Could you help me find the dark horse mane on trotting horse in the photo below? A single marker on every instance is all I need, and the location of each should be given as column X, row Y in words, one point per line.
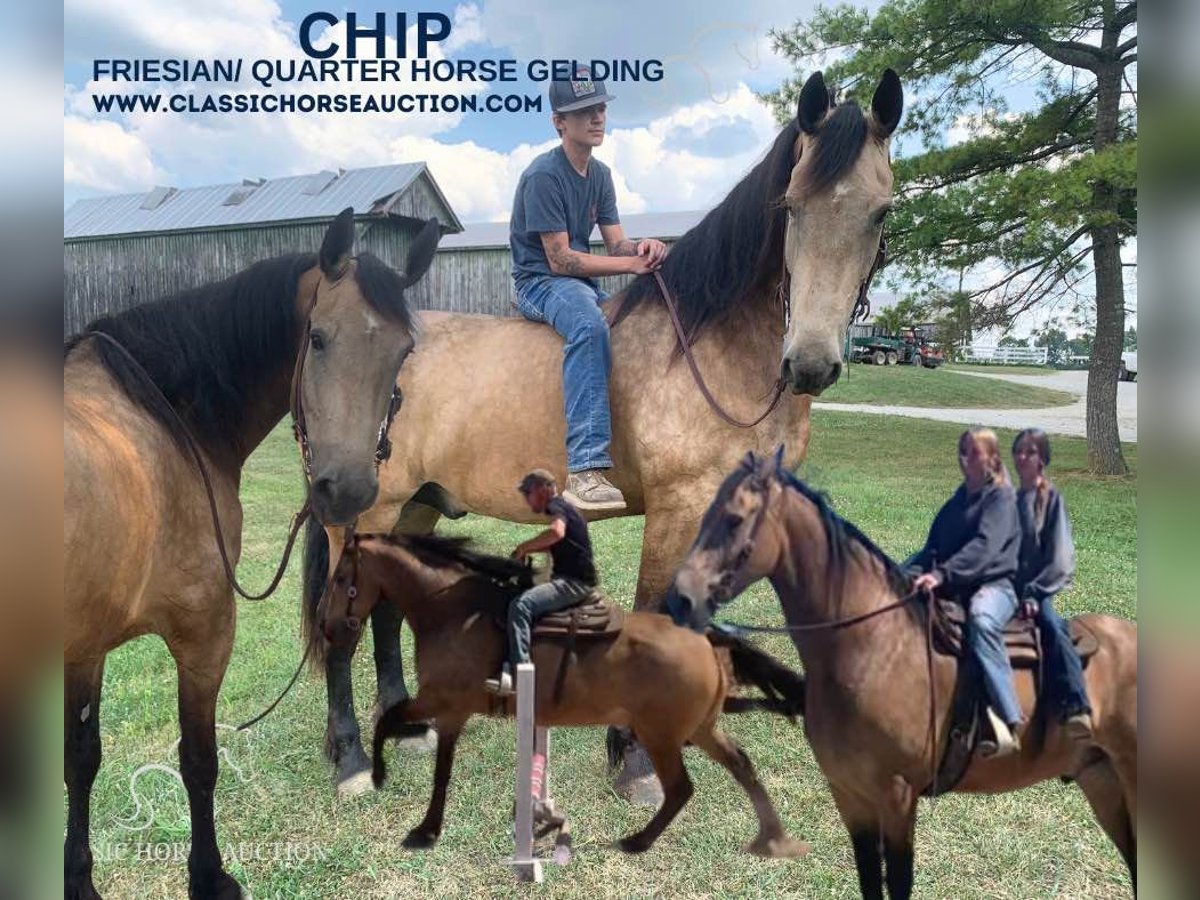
column 736, row 250
column 441, row 551
column 207, row 348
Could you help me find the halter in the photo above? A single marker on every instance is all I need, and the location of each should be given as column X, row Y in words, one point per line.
column 383, row 444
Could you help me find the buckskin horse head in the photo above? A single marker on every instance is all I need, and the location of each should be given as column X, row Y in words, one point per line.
column 359, row 332
column 836, row 201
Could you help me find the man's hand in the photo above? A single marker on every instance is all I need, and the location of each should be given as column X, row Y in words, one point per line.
column 927, row 583
column 521, row 552
column 1028, row 609
column 653, row 250
column 638, row 265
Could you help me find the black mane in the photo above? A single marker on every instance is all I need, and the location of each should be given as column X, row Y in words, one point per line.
column 735, row 253
column 440, row 552
column 210, row 348
column 842, row 535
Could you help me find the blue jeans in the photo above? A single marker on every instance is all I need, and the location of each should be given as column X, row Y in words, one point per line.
column 570, row 307
column 555, row 594
column 990, row 609
column 1064, row 671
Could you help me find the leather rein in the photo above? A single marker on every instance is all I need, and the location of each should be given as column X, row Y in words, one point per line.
column 860, row 310
column 382, row 451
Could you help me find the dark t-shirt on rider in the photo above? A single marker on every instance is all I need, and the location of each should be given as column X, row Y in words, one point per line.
column 551, row 197
column 572, row 556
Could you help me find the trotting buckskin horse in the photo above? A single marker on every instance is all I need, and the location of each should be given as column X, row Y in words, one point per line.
column 487, row 397
column 206, row 375
column 869, row 715
column 666, row 683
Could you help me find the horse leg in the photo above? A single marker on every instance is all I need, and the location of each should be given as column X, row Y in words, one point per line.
column 201, row 668
column 426, row 833
column 668, row 763
column 898, row 852
column 771, row 839
column 81, row 762
column 865, row 837
column 343, row 740
column 664, row 544
column 1102, row 786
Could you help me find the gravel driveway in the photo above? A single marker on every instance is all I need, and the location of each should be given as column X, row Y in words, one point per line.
column 1070, row 419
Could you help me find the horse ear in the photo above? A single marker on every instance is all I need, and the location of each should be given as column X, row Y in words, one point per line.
column 814, row 103
column 420, row 254
column 888, row 103
column 339, row 240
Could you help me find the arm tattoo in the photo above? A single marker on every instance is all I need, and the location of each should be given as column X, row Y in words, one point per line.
column 566, row 262
column 624, row 248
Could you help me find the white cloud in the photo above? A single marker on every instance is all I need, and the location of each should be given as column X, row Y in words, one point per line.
column 103, row 156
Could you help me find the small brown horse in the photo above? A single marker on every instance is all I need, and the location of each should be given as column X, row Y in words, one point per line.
column 209, row 371
column 867, row 709
column 666, row 683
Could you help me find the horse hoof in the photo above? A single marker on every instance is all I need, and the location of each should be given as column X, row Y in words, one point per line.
column 635, row 843
column 779, row 848
column 355, row 786
column 643, row 791
column 221, row 887
column 562, row 856
column 419, row 839
column 422, row 745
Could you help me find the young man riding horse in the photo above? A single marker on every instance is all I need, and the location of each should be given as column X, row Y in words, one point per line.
column 574, row 572
column 561, row 196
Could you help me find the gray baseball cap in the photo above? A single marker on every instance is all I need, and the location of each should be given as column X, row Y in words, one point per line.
column 569, row 96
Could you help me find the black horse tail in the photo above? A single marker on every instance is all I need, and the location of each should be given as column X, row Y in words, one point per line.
column 316, row 575
column 783, row 688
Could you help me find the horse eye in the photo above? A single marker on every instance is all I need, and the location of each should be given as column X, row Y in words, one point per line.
column 317, row 341
column 882, row 214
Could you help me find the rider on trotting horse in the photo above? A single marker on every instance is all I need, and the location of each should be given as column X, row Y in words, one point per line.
column 573, row 576
column 560, row 197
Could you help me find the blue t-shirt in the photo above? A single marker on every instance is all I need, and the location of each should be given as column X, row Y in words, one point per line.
column 551, row 196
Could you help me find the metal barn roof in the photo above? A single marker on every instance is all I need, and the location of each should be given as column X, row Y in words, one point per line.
column 669, row 225
column 321, row 195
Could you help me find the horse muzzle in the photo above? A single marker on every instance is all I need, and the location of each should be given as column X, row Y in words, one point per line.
column 809, row 376
column 339, row 496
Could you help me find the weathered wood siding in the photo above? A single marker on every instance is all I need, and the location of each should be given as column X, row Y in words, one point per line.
column 479, row 280
column 108, row 275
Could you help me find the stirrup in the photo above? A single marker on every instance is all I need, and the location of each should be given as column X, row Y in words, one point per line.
column 1005, row 742
column 502, row 685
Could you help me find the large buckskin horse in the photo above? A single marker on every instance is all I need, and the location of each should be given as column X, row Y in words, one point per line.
column 486, row 392
column 208, row 372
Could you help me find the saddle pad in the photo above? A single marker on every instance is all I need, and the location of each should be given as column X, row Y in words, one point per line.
column 1021, row 638
column 595, row 617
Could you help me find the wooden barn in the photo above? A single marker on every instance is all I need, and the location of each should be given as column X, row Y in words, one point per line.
column 123, row 250
column 472, row 271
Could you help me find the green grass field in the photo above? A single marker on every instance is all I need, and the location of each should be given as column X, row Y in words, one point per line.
column 274, row 789
column 942, row 387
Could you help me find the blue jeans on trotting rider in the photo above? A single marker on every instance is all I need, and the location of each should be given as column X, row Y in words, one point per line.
column 523, row 611
column 570, row 307
column 990, row 609
column 1063, row 669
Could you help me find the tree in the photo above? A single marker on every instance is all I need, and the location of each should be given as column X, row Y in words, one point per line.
column 901, row 314
column 1050, row 194
column 1009, row 341
column 1056, row 342
column 1131, row 338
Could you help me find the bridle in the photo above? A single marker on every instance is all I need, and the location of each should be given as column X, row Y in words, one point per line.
column 383, row 443
column 860, row 310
